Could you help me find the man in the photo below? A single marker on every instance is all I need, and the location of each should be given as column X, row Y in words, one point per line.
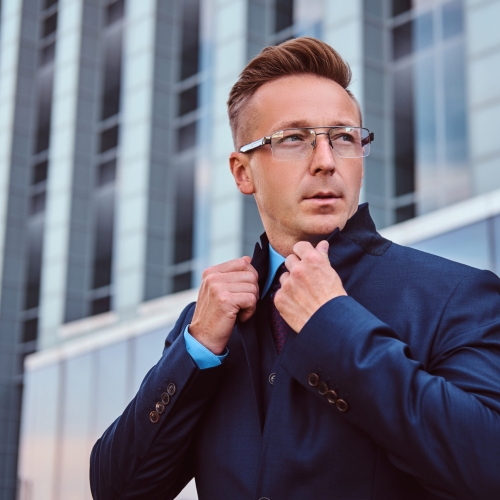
column 358, row 370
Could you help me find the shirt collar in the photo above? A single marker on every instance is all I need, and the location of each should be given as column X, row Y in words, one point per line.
column 275, row 261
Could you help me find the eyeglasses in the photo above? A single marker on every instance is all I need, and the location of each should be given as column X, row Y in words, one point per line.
column 298, row 143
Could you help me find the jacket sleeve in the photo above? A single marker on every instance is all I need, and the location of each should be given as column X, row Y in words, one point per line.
column 440, row 424
column 139, row 457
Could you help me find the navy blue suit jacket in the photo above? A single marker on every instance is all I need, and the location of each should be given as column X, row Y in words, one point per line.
column 414, row 351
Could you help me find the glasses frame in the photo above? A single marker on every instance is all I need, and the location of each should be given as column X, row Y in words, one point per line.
column 247, row 148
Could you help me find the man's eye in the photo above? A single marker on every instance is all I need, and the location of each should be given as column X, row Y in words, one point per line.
column 343, row 138
column 292, row 138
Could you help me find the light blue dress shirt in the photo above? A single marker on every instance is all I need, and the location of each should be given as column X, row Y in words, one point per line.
column 205, row 358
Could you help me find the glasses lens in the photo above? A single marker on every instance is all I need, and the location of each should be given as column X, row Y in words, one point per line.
column 350, row 142
column 292, row 144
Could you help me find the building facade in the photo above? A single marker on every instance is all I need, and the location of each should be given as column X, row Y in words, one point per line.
column 115, row 191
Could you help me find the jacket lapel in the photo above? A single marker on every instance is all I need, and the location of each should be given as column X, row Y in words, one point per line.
column 248, row 330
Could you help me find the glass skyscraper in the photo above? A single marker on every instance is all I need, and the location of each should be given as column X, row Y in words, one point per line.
column 115, row 190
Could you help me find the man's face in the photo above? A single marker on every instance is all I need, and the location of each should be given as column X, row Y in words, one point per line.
column 300, row 200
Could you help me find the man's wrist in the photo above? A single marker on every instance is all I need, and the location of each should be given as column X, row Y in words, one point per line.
column 200, row 354
column 214, row 347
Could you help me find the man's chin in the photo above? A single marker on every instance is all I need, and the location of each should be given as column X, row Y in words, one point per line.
column 319, row 227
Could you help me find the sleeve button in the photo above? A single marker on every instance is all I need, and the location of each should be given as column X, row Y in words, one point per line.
column 342, row 405
column 313, row 379
column 322, row 388
column 154, row 417
column 331, row 395
column 160, row 408
column 171, row 389
column 165, row 398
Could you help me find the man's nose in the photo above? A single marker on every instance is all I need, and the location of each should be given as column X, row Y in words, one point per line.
column 323, row 157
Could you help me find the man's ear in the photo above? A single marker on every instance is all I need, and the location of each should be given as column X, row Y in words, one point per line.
column 240, row 168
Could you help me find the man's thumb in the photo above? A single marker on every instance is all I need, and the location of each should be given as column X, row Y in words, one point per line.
column 323, row 247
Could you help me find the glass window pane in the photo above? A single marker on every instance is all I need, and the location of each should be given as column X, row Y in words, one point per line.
column 405, row 213
column 455, row 102
column 34, row 262
column 50, row 25
column 183, row 246
column 104, row 212
column 30, row 330
column 147, row 349
column 453, row 19
column 283, row 14
column 115, row 11
column 423, row 31
column 99, row 306
column 112, row 380
column 112, row 71
column 47, row 54
column 37, row 204
column 109, row 139
column 77, row 409
column 44, row 108
column 374, row 7
column 190, row 38
column 106, row 173
column 400, row 6
column 39, row 432
column 182, row 282
column 469, row 245
column 40, row 171
column 404, row 137
column 402, row 37
column 188, row 100
column 186, row 137
column 425, row 110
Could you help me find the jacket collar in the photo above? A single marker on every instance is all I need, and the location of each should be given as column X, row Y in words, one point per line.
column 359, row 229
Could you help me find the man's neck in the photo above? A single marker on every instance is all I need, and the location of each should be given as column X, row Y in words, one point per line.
column 284, row 245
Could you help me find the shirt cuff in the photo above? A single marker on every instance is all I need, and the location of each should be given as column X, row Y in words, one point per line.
column 202, row 356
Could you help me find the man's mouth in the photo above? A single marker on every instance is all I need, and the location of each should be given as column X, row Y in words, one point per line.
column 323, row 195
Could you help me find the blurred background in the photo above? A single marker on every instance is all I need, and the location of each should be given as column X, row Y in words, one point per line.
column 115, row 191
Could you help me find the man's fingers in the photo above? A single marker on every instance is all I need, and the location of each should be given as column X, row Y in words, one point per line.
column 284, row 277
column 232, row 277
column 247, row 303
column 237, row 288
column 291, row 261
column 302, row 248
column 241, row 264
column 322, row 247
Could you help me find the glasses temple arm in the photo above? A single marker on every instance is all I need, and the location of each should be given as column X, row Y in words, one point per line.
column 255, row 144
column 367, row 140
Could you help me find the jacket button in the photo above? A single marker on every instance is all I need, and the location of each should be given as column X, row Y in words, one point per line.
column 313, row 379
column 331, row 396
column 263, row 498
column 165, row 398
column 342, row 405
column 154, row 417
column 160, row 408
column 322, row 388
column 171, row 389
column 272, row 378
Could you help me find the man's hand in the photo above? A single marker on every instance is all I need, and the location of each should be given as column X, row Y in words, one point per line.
column 310, row 283
column 227, row 292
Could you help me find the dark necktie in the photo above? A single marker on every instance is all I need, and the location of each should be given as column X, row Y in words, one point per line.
column 279, row 327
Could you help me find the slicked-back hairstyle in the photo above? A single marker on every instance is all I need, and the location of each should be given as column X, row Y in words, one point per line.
column 299, row 56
